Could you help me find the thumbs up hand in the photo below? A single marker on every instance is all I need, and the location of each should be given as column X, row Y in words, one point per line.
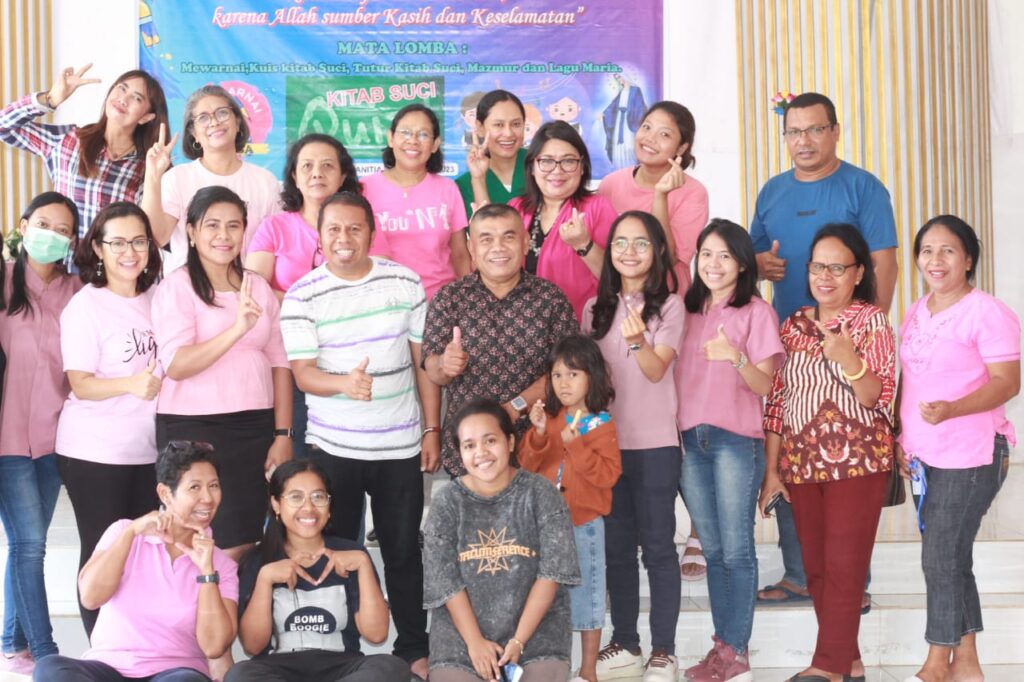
column 455, row 359
column 144, row 385
column 769, row 265
column 719, row 348
column 358, row 384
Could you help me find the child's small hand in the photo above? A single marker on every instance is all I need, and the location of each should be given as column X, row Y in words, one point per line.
column 569, row 434
column 539, row 418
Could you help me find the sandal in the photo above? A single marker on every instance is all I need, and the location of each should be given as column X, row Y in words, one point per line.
column 792, row 596
column 693, row 560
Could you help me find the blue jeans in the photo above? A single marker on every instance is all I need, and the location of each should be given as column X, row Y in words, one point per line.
column 643, row 513
column 28, row 495
column 586, row 600
column 721, row 478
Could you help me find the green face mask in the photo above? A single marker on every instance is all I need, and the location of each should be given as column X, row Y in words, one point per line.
column 45, row 246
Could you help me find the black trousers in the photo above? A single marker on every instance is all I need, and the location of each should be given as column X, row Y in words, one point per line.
column 395, row 488
column 322, row 666
column 101, row 494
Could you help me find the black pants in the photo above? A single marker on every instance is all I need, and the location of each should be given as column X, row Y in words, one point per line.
column 101, row 494
column 322, row 666
column 395, row 488
column 64, row 669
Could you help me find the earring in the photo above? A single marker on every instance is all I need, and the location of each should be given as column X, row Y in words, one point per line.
column 99, row 267
column 145, row 270
column 196, row 145
column 162, row 508
column 278, row 515
column 191, row 243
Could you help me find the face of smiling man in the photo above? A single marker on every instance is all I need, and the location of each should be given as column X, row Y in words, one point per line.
column 497, row 246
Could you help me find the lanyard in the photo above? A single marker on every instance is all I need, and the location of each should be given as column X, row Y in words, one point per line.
column 918, row 487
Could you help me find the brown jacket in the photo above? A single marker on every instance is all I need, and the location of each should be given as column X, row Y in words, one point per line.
column 592, row 465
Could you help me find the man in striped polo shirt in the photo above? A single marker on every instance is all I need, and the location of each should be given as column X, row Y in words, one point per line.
column 352, row 329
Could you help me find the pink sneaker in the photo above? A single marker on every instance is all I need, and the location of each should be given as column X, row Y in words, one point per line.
column 728, row 666
column 702, row 668
column 21, row 663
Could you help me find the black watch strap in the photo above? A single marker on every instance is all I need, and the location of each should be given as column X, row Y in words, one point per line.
column 586, row 249
column 285, row 432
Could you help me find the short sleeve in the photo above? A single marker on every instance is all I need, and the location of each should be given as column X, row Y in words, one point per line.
column 437, row 329
column 298, row 328
column 600, row 216
column 456, row 207
column 79, row 341
column 763, row 341
column 758, row 231
column 174, row 317
column 875, row 218
column 999, row 334
column 265, row 238
column 227, row 570
column 441, row 577
column 558, row 561
column 465, row 185
column 274, row 349
column 418, row 314
column 111, row 534
column 670, row 328
column 878, row 348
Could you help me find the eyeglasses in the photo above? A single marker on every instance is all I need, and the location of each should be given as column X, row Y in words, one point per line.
column 297, row 498
column 814, row 132
column 204, row 119
column 569, row 164
column 640, row 245
column 421, row 135
column 118, row 246
column 834, row 269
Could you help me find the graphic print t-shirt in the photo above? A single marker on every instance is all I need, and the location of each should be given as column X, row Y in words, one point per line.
column 495, row 548
column 310, row 616
column 108, row 336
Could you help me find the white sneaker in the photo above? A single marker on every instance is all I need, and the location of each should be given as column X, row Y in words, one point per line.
column 661, row 667
column 614, row 662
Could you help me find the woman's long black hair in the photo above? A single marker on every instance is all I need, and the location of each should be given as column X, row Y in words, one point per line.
column 271, row 548
column 197, row 208
column 19, row 292
column 737, row 241
column 661, row 279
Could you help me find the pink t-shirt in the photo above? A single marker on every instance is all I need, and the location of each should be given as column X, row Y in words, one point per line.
column 943, row 358
column 293, row 242
column 644, row 412
column 415, row 225
column 34, row 383
column 241, row 379
column 558, row 262
column 687, row 212
column 257, row 187
column 713, row 392
column 108, row 336
column 149, row 625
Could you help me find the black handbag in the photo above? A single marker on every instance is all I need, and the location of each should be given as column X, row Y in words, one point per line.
column 896, row 494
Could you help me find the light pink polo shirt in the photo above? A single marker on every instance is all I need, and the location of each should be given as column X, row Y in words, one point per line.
column 149, row 625
column 293, row 242
column 241, row 379
column 687, row 212
column 644, row 412
column 943, row 358
column 713, row 392
column 34, row 383
column 558, row 262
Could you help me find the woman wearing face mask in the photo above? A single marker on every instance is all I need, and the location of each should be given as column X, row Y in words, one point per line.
column 37, row 288
column 97, row 164
column 106, row 436
column 168, row 598
column 216, row 133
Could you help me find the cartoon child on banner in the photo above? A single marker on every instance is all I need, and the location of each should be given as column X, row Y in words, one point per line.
column 623, row 116
column 566, row 109
column 534, row 119
column 467, row 109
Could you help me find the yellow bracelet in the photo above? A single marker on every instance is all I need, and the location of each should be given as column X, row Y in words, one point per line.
column 860, row 374
column 522, row 649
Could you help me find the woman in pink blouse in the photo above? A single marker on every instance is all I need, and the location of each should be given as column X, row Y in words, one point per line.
column 228, row 383
column 960, row 352
column 36, row 289
column 567, row 224
column 829, row 443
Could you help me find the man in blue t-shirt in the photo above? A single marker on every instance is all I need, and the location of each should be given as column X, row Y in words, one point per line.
column 791, row 207
column 818, row 190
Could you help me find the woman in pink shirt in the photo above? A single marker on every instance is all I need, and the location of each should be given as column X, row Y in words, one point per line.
column 557, row 200
column 421, row 219
column 168, row 598
column 960, row 353
column 659, row 184
column 729, row 352
column 106, row 437
column 36, row 287
column 228, row 381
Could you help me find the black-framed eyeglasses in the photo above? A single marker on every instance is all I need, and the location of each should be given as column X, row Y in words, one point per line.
column 204, row 119
column 834, row 269
column 569, row 164
column 297, row 498
column 814, row 132
column 119, row 246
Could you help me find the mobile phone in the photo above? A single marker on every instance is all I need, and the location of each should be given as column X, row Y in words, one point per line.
column 772, row 504
column 511, row 672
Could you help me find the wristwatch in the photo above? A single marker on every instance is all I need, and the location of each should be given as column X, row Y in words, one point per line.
column 742, row 362
column 518, row 404
column 285, row 432
column 586, row 249
column 211, row 578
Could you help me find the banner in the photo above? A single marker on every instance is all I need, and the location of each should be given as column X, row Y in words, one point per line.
column 344, row 67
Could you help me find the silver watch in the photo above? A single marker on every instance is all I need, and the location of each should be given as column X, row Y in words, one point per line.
column 742, row 362
column 518, row 404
